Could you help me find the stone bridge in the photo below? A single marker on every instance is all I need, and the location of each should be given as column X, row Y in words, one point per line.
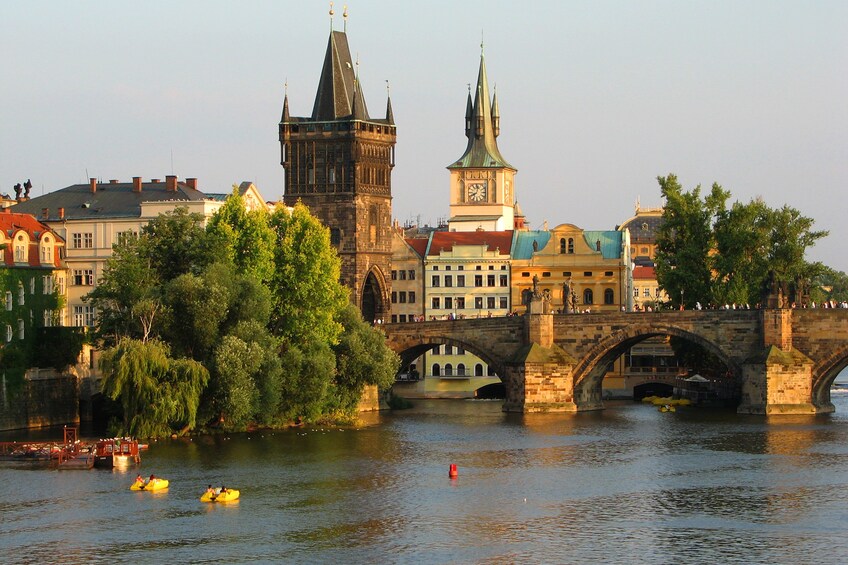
column 784, row 359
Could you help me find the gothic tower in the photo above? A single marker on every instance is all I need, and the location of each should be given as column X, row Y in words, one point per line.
column 482, row 194
column 339, row 163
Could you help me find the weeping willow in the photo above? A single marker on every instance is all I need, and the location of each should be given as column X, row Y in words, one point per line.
column 158, row 394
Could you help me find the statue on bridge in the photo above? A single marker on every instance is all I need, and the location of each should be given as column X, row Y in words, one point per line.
column 568, row 298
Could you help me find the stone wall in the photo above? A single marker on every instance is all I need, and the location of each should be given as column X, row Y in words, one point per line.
column 44, row 399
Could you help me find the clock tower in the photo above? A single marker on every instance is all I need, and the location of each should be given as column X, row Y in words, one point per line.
column 482, row 190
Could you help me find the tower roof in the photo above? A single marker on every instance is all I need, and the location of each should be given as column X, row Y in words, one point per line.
column 482, row 149
column 339, row 94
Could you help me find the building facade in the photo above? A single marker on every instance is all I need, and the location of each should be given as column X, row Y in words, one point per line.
column 339, row 162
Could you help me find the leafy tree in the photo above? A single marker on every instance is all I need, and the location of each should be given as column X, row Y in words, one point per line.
column 362, row 358
column 306, row 377
column 236, row 362
column 685, row 241
column 158, row 394
column 176, row 243
column 306, row 292
column 249, row 237
column 829, row 285
column 742, row 252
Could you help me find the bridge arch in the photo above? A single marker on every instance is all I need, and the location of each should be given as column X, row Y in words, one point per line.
column 590, row 369
column 410, row 352
column 825, row 372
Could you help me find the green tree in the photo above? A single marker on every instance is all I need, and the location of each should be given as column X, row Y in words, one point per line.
column 742, row 252
column 158, row 394
column 250, row 239
column 685, row 241
column 306, row 293
column 362, row 358
column 306, row 378
column 176, row 243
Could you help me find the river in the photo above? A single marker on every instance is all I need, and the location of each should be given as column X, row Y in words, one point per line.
column 626, row 485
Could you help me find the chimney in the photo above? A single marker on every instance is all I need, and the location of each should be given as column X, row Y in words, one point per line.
column 156, row 180
column 45, row 213
column 61, row 213
column 192, row 183
column 136, row 184
column 113, row 181
column 171, row 183
column 93, row 184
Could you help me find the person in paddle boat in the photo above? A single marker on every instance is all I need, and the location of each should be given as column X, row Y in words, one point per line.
column 139, row 479
column 151, row 480
column 211, row 491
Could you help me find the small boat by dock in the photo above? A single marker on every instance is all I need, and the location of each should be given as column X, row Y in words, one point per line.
column 116, row 452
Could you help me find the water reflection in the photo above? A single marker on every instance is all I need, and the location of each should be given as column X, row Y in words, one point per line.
column 628, row 484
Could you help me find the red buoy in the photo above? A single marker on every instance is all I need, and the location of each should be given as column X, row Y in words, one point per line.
column 452, row 472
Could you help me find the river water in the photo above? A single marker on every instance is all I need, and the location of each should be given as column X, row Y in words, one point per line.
column 626, row 485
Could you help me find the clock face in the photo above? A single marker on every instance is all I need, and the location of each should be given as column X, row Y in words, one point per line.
column 477, row 192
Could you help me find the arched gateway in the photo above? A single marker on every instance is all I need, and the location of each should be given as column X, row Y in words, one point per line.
column 784, row 360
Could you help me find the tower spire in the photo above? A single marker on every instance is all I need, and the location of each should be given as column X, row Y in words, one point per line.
column 390, row 116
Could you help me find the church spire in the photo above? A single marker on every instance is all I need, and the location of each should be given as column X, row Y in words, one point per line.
column 335, row 97
column 496, row 114
column 286, row 104
column 390, row 116
column 482, row 126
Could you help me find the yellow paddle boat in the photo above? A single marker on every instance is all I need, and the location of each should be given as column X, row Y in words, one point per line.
column 218, row 495
column 152, row 484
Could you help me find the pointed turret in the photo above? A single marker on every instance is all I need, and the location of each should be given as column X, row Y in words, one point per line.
column 286, row 116
column 469, row 110
column 482, row 149
column 390, row 116
column 335, row 96
column 496, row 115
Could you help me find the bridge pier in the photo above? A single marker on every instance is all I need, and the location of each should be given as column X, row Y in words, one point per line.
column 780, row 382
column 539, row 380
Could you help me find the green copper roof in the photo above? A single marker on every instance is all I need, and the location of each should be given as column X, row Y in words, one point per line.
column 610, row 242
column 522, row 244
column 482, row 130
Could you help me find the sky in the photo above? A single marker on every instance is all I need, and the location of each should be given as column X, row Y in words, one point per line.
column 597, row 98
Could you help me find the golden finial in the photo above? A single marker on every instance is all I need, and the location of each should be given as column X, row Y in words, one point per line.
column 286, row 86
column 332, row 13
column 344, row 15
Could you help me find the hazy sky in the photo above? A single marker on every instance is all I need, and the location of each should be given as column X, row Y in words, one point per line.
column 597, row 98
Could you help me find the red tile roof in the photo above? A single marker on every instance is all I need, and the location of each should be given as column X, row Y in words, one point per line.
column 419, row 245
column 12, row 223
column 495, row 240
column 644, row 273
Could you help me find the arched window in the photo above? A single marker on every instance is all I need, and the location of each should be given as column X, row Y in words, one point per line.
column 571, row 245
column 46, row 250
column 448, row 370
column 437, row 371
column 8, row 333
column 460, row 369
column 478, row 370
column 588, row 296
column 609, row 296
column 20, row 249
column 562, row 245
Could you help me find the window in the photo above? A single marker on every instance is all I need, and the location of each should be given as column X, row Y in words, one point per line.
column 607, row 273
column 402, row 275
column 525, row 274
column 478, row 302
column 83, row 316
column 646, row 293
column 435, row 280
column 48, row 318
column 76, row 241
column 20, row 249
column 394, row 297
column 570, row 245
column 478, row 268
column 587, row 296
column 587, row 273
column 21, row 295
column 460, row 280
column 562, row 246
column 448, row 280
column 478, row 280
column 491, row 267
column 83, row 277
column 412, row 297
column 459, row 350
column 503, row 303
column 460, row 303
column 9, row 300
column 490, row 302
column 504, row 280
column 124, row 237
column 435, row 267
column 8, row 333
column 20, row 329
column 394, row 275
column 609, row 296
column 448, row 303
column 336, row 238
column 88, row 240
column 460, row 369
column 47, row 284
column 448, row 370
column 402, row 296
column 60, row 285
column 437, row 350
column 46, row 250
column 402, row 317
column 546, row 274
column 412, row 274
column 490, row 280
column 437, row 303
column 436, row 370
column 394, row 318
column 32, row 285
column 566, row 273
column 478, row 370
column 448, row 350
column 635, row 292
